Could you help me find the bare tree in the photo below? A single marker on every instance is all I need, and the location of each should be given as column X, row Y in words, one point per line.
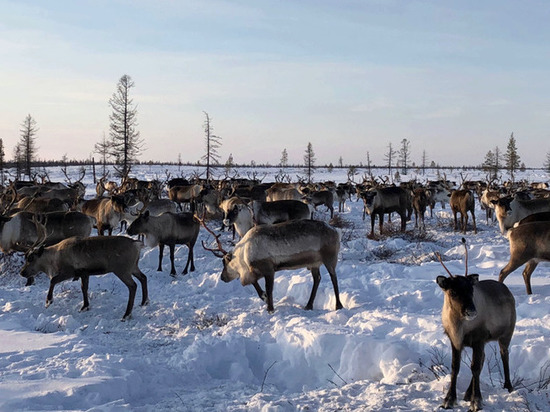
column 2, row 161
column 309, row 160
column 213, row 142
column 369, row 171
column 18, row 161
column 125, row 143
column 27, row 144
column 404, row 155
column 547, row 162
column 424, row 162
column 390, row 157
column 102, row 148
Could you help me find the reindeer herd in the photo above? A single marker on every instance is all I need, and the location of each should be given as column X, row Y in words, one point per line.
column 52, row 225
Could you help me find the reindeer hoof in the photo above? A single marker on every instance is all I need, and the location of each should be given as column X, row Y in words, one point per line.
column 84, row 309
column 48, row 302
column 30, row 281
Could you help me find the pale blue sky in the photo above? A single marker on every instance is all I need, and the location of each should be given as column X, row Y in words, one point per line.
column 455, row 78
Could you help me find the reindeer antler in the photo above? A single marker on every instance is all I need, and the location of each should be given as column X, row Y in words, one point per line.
column 41, row 232
column 443, row 264
column 220, row 252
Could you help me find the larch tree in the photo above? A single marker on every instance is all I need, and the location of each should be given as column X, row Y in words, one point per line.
column 284, row 159
column 212, row 142
column 309, row 161
column 125, row 144
column 511, row 157
column 27, row 145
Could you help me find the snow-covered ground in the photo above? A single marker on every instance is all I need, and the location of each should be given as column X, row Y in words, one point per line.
column 202, row 344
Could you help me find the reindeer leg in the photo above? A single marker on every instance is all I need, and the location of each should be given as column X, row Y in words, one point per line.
column 173, row 267
column 189, row 259
column 260, row 291
column 473, row 394
column 143, row 280
column 269, row 280
column 527, row 272
column 126, row 278
column 54, row 281
column 84, row 282
column 504, row 355
column 316, row 273
column 161, row 251
column 334, row 280
column 450, row 399
column 512, row 265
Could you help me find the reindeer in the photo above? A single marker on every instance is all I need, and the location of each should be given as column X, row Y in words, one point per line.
column 280, row 211
column 377, row 202
column 529, row 244
column 184, row 194
column 420, row 203
column 79, row 258
column 474, row 313
column 267, row 249
column 510, row 210
column 240, row 217
column 109, row 212
column 20, row 232
column 168, row 229
column 321, row 197
column 463, row 201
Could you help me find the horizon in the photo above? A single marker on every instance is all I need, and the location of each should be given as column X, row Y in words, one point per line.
column 351, row 77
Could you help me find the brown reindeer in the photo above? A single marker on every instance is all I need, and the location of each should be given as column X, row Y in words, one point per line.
column 462, row 201
column 529, row 245
column 474, row 313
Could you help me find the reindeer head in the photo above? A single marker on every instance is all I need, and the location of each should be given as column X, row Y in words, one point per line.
column 459, row 290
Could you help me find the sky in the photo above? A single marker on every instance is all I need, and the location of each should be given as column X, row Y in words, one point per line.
column 454, row 78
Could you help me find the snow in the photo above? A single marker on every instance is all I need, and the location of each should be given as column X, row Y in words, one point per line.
column 202, row 344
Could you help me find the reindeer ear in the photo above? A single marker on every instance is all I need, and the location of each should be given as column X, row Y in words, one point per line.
column 39, row 251
column 146, row 214
column 473, row 278
column 443, row 283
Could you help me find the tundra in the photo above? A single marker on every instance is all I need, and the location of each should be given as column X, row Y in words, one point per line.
column 267, row 249
column 529, row 244
column 474, row 313
column 168, row 229
column 76, row 257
